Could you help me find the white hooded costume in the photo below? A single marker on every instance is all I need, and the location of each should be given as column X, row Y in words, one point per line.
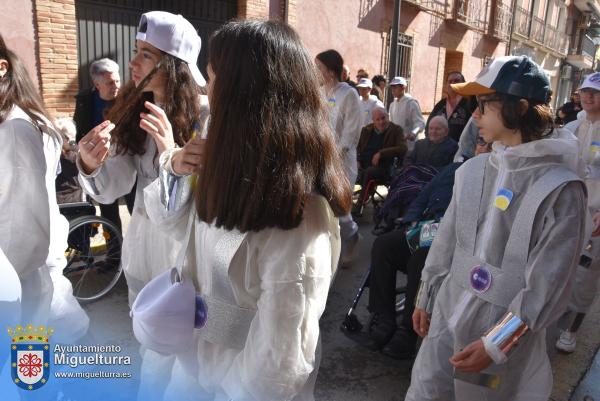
column 33, row 233
column 506, row 248
column 346, row 121
column 587, row 278
column 280, row 278
column 147, row 251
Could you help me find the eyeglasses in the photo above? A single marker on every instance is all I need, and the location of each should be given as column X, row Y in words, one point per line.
column 481, row 102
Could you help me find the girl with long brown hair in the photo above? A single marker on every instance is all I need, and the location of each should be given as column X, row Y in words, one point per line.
column 266, row 238
column 127, row 145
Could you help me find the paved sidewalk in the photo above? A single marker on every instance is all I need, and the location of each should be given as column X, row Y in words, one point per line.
column 569, row 370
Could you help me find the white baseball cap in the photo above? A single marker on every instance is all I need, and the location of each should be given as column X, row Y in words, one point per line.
column 174, row 35
column 591, row 81
column 398, row 81
column 513, row 75
column 365, row 83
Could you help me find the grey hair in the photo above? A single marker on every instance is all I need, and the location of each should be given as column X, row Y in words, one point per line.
column 381, row 109
column 442, row 119
column 99, row 67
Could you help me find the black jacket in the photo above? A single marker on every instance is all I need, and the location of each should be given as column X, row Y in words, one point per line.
column 459, row 118
column 431, row 154
column 83, row 113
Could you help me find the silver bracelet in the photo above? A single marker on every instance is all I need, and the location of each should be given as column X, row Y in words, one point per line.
column 507, row 332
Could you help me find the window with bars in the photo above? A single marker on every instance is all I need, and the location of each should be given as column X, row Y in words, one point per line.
column 404, row 57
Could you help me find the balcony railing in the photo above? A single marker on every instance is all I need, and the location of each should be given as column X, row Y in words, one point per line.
column 472, row 12
column 522, row 21
column 502, row 22
column 556, row 40
column 537, row 30
column 437, row 6
column 588, row 47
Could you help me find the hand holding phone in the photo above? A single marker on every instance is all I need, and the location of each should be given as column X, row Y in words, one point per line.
column 156, row 124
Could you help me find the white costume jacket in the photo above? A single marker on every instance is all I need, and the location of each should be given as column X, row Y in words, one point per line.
column 368, row 106
column 147, row 249
column 33, row 233
column 492, row 258
column 406, row 113
column 282, row 277
column 346, row 120
column 587, row 279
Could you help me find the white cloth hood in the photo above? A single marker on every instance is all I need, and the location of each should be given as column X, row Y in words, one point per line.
column 561, row 147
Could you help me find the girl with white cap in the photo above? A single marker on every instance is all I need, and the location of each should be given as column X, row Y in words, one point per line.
column 500, row 268
column 127, row 145
column 264, row 245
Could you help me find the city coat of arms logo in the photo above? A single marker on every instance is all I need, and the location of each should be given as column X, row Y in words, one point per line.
column 30, row 356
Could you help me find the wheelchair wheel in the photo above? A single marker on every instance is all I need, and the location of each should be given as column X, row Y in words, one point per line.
column 93, row 257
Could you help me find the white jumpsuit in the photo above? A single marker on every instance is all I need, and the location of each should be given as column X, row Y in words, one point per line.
column 406, row 113
column 587, row 279
column 368, row 106
column 33, row 239
column 33, row 233
column 543, row 275
column 346, row 121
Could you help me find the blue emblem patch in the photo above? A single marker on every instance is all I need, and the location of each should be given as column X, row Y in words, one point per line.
column 503, row 198
column 481, row 279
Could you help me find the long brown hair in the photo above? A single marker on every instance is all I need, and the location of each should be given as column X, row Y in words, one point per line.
column 269, row 144
column 17, row 89
column 333, row 61
column 181, row 105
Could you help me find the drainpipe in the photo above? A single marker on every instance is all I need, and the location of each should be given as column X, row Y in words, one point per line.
column 513, row 6
column 393, row 62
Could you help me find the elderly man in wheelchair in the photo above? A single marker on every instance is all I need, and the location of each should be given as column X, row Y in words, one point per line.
column 380, row 143
column 404, row 249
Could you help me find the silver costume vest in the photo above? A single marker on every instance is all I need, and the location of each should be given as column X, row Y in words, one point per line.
column 503, row 282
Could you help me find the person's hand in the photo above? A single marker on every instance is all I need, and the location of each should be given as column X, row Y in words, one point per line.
column 94, row 146
column 411, row 137
column 158, row 126
column 596, row 220
column 375, row 159
column 420, row 322
column 188, row 160
column 472, row 359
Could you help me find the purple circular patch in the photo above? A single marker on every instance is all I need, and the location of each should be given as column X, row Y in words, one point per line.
column 201, row 312
column 481, row 278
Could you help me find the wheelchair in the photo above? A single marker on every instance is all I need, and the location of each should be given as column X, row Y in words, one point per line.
column 93, row 253
column 375, row 193
column 351, row 324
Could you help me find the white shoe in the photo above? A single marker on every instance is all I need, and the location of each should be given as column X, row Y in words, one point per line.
column 348, row 248
column 566, row 342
